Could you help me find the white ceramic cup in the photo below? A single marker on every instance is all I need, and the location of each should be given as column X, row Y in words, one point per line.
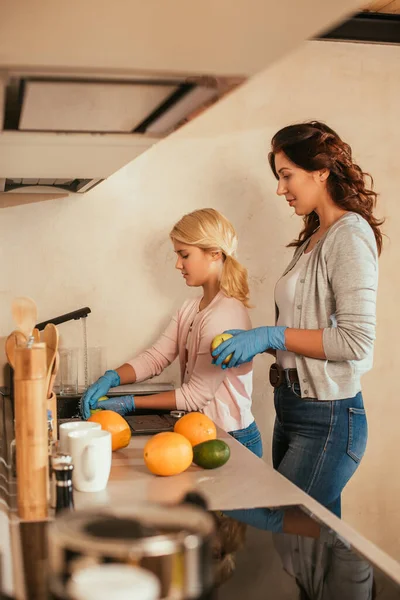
column 119, row 582
column 91, row 452
column 65, row 429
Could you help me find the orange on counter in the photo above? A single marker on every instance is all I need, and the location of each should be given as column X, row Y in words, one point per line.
column 113, row 422
column 196, row 427
column 168, row 453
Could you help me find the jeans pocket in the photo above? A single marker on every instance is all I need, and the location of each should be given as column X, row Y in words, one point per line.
column 358, row 433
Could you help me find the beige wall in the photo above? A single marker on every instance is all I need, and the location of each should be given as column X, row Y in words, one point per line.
column 110, row 250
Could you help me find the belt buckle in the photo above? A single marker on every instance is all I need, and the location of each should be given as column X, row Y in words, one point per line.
column 276, row 375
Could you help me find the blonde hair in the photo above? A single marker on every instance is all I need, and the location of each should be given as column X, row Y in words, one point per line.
column 209, row 230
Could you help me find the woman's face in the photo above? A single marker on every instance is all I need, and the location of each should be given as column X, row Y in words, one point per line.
column 197, row 266
column 303, row 190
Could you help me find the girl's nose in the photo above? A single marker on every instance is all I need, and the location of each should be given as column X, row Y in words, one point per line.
column 178, row 264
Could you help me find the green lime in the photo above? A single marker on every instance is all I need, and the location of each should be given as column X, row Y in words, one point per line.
column 211, row 454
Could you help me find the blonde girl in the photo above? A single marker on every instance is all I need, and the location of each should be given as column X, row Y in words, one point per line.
column 205, row 244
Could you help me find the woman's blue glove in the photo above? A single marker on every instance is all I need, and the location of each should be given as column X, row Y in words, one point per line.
column 244, row 345
column 123, row 405
column 98, row 389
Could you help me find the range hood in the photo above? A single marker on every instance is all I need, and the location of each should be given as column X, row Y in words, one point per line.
column 65, row 131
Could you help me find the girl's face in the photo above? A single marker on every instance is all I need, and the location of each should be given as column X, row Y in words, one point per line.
column 198, row 267
column 303, row 190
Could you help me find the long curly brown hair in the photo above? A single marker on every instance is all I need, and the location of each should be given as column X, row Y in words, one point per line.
column 313, row 146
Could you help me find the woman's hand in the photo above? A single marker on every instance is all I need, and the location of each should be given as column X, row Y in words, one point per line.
column 244, row 345
column 98, row 389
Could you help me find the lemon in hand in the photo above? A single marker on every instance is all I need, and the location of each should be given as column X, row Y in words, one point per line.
column 95, row 410
column 222, row 337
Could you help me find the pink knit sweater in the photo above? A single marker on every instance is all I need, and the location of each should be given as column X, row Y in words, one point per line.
column 223, row 395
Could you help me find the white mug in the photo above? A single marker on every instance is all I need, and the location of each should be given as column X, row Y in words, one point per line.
column 91, row 452
column 65, row 429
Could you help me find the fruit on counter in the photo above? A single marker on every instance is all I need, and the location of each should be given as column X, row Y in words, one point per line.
column 95, row 410
column 168, row 453
column 196, row 427
column 211, row 454
column 222, row 337
column 113, row 422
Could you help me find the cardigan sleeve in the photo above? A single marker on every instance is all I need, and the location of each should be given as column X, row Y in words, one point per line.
column 352, row 268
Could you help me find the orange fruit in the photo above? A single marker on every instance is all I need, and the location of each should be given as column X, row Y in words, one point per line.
column 168, row 453
column 116, row 425
column 196, row 427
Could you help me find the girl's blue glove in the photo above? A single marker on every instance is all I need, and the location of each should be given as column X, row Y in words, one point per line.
column 123, row 405
column 98, row 389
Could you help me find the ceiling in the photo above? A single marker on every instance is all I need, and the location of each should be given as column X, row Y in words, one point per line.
column 384, row 6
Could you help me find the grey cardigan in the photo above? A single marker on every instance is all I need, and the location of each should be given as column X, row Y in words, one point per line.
column 336, row 292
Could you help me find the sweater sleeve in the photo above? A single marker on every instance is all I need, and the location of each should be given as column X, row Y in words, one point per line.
column 154, row 360
column 352, row 267
column 206, row 378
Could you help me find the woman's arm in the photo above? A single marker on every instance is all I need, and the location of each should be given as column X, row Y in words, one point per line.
column 352, row 272
column 307, row 342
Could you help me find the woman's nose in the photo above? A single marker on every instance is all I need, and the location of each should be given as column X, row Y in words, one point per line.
column 281, row 190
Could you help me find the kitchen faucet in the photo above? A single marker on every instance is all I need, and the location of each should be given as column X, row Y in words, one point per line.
column 75, row 315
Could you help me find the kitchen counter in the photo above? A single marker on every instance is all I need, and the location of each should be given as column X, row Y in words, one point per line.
column 244, row 482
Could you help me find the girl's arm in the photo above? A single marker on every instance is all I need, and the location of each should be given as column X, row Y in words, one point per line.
column 155, row 359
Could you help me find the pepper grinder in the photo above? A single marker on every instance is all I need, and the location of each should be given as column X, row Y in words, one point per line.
column 62, row 468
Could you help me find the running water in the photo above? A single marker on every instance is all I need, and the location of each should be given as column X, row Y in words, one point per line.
column 85, row 353
column 85, row 359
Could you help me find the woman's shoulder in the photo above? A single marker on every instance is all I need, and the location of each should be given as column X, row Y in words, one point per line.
column 348, row 229
column 350, row 223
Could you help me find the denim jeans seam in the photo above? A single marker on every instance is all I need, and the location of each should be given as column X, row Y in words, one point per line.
column 318, row 466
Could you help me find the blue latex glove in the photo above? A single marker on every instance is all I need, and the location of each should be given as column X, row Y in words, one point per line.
column 123, row 405
column 98, row 389
column 244, row 345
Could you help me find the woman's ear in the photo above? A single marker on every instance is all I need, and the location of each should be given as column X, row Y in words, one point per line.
column 323, row 174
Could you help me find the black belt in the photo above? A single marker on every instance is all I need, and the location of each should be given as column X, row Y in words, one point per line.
column 278, row 376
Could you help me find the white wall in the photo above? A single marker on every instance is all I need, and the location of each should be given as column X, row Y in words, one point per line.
column 110, row 249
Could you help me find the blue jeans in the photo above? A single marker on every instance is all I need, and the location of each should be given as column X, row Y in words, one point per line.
column 249, row 437
column 317, row 445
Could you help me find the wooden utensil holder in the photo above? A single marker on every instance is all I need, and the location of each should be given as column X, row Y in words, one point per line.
column 30, row 398
column 52, row 406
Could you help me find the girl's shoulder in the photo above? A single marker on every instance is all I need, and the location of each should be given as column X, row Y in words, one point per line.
column 228, row 311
